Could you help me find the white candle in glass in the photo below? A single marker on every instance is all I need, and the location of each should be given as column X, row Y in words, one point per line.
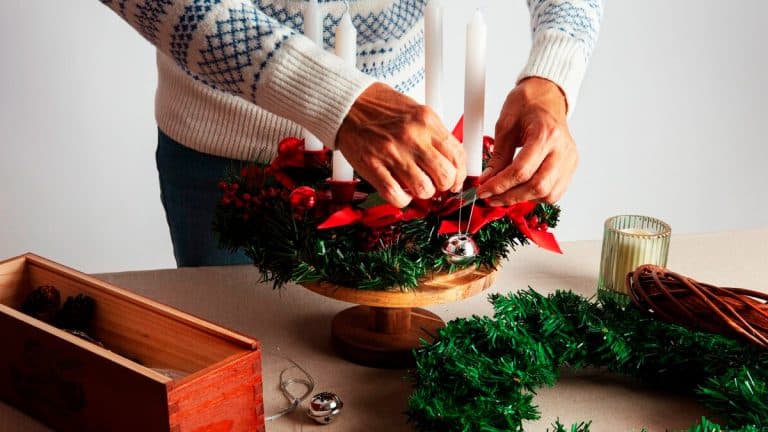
column 474, row 93
column 630, row 241
column 633, row 250
column 346, row 48
column 433, row 53
column 313, row 29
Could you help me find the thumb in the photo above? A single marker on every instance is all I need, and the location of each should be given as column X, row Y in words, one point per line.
column 503, row 152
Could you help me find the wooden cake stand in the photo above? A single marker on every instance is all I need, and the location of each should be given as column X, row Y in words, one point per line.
column 388, row 325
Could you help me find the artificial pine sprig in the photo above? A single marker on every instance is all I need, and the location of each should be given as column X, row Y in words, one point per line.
column 481, row 373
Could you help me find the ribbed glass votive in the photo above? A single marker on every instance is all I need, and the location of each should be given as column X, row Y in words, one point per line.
column 630, row 241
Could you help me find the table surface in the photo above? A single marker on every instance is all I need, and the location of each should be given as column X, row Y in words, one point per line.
column 295, row 323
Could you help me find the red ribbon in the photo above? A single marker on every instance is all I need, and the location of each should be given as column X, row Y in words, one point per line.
column 375, row 217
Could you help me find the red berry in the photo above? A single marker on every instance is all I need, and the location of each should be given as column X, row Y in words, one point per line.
column 234, row 187
column 222, row 185
column 225, row 201
column 247, row 196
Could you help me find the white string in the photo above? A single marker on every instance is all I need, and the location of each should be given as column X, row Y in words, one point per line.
column 295, row 401
column 461, row 206
column 471, row 210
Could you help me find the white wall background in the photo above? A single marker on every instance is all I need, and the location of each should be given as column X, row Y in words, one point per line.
column 670, row 123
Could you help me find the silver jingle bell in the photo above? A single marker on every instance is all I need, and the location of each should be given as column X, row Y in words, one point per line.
column 324, row 407
column 460, row 249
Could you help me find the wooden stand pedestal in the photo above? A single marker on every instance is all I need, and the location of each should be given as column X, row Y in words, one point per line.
column 387, row 327
column 382, row 337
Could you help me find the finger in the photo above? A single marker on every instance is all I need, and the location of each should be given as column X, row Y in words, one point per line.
column 451, row 148
column 413, row 179
column 541, row 185
column 564, row 179
column 534, row 149
column 504, row 152
column 439, row 168
column 382, row 180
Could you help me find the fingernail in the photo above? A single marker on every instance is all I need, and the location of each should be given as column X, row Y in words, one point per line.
column 484, row 195
column 495, row 203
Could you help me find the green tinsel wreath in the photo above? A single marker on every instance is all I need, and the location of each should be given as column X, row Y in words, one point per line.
column 255, row 215
column 481, row 373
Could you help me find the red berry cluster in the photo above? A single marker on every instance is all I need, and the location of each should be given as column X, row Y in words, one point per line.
column 250, row 204
column 535, row 223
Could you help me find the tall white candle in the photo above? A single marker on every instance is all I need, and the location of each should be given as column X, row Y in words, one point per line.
column 313, row 23
column 474, row 94
column 313, row 29
column 433, row 53
column 346, row 48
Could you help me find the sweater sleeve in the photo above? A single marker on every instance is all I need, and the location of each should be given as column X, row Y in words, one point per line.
column 233, row 46
column 564, row 35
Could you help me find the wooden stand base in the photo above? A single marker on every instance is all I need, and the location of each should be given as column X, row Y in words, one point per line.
column 382, row 337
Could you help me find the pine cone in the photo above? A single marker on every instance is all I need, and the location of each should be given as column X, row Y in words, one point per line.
column 77, row 313
column 42, row 303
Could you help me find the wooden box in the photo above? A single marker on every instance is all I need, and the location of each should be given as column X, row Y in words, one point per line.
column 75, row 385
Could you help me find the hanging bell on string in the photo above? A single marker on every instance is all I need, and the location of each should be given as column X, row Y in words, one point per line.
column 324, row 407
column 460, row 249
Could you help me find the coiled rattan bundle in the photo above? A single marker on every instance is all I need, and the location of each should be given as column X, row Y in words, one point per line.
column 678, row 299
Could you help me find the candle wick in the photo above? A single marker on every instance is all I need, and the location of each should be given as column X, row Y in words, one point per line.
column 346, row 5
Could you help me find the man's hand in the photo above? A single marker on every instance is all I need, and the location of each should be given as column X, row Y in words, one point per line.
column 534, row 118
column 401, row 148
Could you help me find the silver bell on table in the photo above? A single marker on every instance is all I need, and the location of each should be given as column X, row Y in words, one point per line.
column 460, row 249
column 324, row 407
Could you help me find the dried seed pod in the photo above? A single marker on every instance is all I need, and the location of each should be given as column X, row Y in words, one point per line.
column 42, row 303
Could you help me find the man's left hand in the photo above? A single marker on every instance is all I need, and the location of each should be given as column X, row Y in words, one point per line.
column 533, row 118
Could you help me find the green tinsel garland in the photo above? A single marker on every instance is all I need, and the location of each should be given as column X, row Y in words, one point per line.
column 481, row 373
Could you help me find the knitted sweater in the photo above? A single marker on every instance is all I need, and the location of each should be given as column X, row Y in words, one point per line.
column 236, row 76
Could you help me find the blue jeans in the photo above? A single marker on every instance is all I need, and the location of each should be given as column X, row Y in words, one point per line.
column 189, row 194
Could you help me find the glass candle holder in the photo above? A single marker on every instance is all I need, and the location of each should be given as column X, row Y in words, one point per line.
column 630, row 241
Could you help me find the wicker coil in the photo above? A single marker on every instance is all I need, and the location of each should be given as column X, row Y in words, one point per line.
column 677, row 299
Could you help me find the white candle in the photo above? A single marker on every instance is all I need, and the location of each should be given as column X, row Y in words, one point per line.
column 313, row 29
column 313, row 23
column 346, row 48
column 342, row 170
column 474, row 94
column 433, row 53
column 633, row 250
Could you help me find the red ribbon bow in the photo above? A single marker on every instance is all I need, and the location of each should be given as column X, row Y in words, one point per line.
column 482, row 216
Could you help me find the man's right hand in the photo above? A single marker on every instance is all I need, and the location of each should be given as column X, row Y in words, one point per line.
column 401, row 147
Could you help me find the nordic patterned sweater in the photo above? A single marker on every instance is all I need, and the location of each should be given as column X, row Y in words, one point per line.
column 236, row 76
